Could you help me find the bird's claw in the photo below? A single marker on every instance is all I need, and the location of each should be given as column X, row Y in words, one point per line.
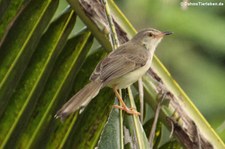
column 131, row 111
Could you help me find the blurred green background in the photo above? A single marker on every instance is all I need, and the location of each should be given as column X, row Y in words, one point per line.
column 194, row 54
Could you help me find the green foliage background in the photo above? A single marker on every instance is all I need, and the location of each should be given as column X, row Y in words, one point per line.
column 194, row 56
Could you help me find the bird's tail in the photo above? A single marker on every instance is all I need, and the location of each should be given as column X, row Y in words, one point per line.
column 80, row 99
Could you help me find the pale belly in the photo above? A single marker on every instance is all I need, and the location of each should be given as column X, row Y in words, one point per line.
column 130, row 78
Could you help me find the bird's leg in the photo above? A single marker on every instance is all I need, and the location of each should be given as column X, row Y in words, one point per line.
column 123, row 105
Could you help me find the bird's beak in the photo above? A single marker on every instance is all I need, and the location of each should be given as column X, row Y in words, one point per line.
column 160, row 35
column 167, row 33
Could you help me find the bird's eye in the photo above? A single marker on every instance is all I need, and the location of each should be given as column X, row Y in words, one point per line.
column 150, row 34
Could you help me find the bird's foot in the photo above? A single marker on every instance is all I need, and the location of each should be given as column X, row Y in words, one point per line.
column 128, row 110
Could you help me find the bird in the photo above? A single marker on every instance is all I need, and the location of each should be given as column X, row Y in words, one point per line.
column 118, row 70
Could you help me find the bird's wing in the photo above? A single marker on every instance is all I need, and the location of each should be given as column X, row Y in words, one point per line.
column 120, row 62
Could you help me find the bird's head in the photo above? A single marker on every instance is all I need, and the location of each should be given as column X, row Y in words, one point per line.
column 149, row 37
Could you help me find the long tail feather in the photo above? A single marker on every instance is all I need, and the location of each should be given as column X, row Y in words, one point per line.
column 80, row 99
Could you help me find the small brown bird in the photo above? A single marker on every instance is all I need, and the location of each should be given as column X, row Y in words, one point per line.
column 121, row 68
